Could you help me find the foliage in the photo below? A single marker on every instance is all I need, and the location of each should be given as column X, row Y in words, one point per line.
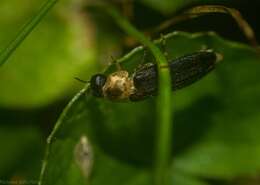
column 214, row 137
column 205, row 114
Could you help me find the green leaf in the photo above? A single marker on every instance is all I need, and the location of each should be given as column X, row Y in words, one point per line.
column 212, row 116
column 230, row 146
column 185, row 179
column 43, row 69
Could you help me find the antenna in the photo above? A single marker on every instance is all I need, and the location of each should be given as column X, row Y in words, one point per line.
column 82, row 81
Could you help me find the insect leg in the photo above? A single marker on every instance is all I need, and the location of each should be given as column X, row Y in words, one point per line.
column 144, row 56
column 116, row 63
column 163, row 41
column 80, row 80
column 163, row 46
column 143, row 59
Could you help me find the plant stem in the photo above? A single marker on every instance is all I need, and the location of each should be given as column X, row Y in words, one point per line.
column 164, row 107
column 26, row 30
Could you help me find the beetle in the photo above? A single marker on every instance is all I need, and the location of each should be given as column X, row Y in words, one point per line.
column 143, row 83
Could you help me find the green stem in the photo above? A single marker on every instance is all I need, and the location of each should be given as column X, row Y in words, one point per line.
column 164, row 107
column 26, row 30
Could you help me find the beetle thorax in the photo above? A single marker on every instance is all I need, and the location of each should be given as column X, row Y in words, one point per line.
column 119, row 86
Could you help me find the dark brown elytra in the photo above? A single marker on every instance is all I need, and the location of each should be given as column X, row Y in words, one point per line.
column 184, row 71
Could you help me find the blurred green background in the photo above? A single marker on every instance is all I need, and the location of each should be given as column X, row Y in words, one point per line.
column 217, row 121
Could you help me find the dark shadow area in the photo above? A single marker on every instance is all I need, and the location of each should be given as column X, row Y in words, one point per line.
column 192, row 123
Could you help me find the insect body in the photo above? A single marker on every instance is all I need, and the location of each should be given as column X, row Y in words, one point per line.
column 143, row 82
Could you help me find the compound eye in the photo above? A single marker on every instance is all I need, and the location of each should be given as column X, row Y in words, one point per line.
column 96, row 83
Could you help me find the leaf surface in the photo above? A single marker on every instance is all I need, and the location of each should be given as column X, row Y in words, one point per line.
column 215, row 119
